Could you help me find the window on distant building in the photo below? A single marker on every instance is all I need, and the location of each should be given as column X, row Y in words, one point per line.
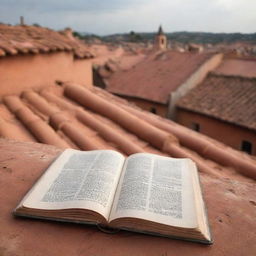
column 153, row 110
column 246, row 146
column 195, row 127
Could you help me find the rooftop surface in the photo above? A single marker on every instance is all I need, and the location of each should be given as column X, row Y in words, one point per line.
column 33, row 40
column 231, row 204
column 156, row 76
column 238, row 67
column 228, row 98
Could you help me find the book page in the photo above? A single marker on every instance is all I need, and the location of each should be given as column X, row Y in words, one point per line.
column 158, row 189
column 78, row 179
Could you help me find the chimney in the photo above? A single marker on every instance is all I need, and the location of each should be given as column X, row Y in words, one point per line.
column 22, row 23
column 69, row 33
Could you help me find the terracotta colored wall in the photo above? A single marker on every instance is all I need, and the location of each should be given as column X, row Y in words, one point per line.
column 36, row 71
column 192, row 81
column 231, row 135
column 161, row 42
column 161, row 110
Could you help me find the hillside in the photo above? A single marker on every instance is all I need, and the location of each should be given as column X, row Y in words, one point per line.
column 182, row 37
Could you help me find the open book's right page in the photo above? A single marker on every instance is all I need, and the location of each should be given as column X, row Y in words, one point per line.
column 158, row 189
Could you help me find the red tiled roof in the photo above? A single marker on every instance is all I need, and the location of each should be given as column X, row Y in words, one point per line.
column 30, row 39
column 238, row 67
column 156, row 76
column 228, row 98
column 88, row 119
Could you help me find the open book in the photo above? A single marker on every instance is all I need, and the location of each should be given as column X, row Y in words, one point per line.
column 143, row 193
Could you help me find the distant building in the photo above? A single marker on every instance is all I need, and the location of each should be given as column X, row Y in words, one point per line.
column 160, row 40
column 195, row 48
column 156, row 83
column 224, row 108
column 33, row 57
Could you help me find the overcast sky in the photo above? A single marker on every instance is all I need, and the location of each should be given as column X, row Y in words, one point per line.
column 117, row 16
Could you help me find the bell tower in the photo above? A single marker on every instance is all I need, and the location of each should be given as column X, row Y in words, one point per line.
column 160, row 40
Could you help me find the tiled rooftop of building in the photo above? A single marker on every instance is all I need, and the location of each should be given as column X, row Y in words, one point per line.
column 90, row 118
column 228, row 98
column 32, row 40
column 156, row 76
column 237, row 67
column 87, row 119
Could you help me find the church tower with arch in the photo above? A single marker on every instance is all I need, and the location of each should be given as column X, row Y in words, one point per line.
column 160, row 40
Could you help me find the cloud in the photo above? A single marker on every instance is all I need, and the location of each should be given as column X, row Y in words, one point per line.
column 71, row 5
column 113, row 16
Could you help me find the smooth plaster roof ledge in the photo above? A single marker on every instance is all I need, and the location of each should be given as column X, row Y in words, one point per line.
column 42, row 131
column 201, row 145
column 142, row 129
column 125, row 144
column 230, row 203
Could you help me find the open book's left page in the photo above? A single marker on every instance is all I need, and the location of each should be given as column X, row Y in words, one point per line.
column 77, row 179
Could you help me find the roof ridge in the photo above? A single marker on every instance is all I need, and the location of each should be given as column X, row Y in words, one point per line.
column 86, row 118
column 220, row 75
column 142, row 129
column 60, row 121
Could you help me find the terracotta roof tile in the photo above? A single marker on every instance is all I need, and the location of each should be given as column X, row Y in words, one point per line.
column 60, row 120
column 91, row 118
column 103, row 126
column 42, row 131
column 31, row 39
column 156, row 76
column 12, row 128
column 228, row 98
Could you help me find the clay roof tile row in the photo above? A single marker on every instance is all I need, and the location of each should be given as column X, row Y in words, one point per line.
column 31, row 39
